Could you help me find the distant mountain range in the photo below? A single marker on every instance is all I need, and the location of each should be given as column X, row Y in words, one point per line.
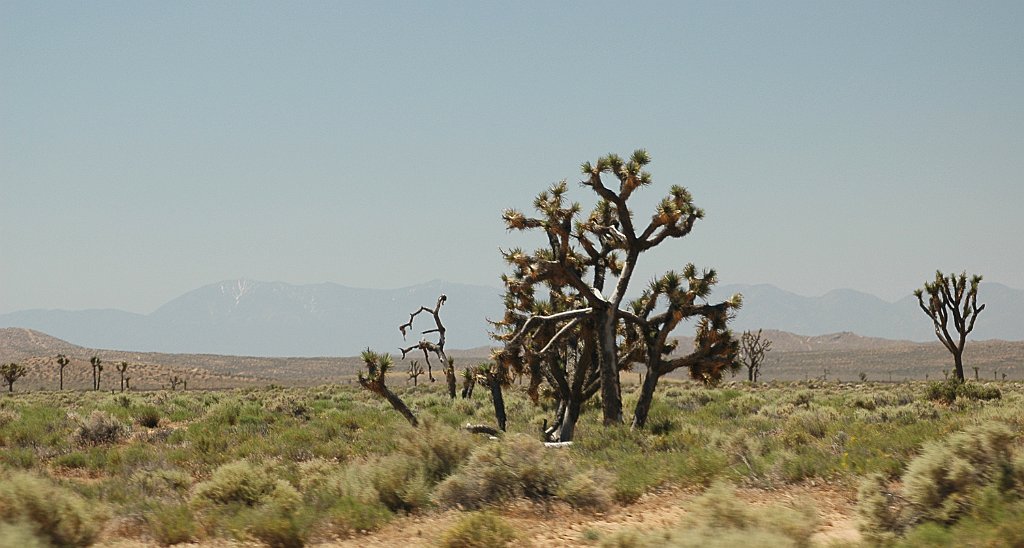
column 251, row 318
column 840, row 310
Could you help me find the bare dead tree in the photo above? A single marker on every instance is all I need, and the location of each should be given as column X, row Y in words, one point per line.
column 950, row 297
column 429, row 347
column 375, row 379
column 753, row 348
column 415, row 370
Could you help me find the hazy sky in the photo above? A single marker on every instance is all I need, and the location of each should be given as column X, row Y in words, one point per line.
column 149, row 148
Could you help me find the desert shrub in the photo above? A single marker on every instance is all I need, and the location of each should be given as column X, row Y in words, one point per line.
column 401, row 483
column 51, row 512
column 479, row 530
column 438, row 448
column 237, row 482
column 344, row 496
column 162, row 482
column 100, row 428
column 878, row 512
column 942, row 483
column 968, row 478
column 250, row 504
column 147, row 415
column 7, row 416
column 21, row 535
column 587, row 491
column 814, row 421
column 718, row 519
column 170, row 523
column 517, row 466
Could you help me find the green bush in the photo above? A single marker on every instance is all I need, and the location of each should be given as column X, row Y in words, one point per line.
column 949, row 390
column 51, row 512
column 479, row 530
column 237, row 482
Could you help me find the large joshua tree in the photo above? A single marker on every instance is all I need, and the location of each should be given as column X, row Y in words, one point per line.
column 568, row 336
column 951, row 298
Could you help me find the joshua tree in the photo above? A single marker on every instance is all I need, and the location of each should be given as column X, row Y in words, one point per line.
column 753, row 348
column 122, row 368
column 97, row 370
column 950, row 297
column 429, row 347
column 468, row 383
column 495, row 378
column 175, row 381
column 62, row 362
column 11, row 372
column 647, row 333
column 377, row 366
column 415, row 370
column 568, row 336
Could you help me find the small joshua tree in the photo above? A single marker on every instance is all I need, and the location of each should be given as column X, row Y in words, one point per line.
column 415, row 370
column 468, row 383
column 97, row 368
column 122, row 368
column 11, row 372
column 62, row 362
column 753, row 348
column 175, row 381
column 950, row 297
column 375, row 379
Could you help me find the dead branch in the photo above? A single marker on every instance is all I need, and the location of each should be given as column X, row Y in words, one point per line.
column 425, row 345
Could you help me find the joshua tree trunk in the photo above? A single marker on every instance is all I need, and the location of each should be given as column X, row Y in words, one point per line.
column 611, row 396
column 399, row 406
column 570, row 417
column 643, row 405
column 449, row 375
column 499, row 403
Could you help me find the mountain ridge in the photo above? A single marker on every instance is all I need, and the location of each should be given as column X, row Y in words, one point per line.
column 255, row 318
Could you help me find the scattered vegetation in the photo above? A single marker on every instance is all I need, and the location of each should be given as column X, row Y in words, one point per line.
column 287, row 466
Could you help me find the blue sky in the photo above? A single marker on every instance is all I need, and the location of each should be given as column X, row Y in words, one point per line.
column 148, row 148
